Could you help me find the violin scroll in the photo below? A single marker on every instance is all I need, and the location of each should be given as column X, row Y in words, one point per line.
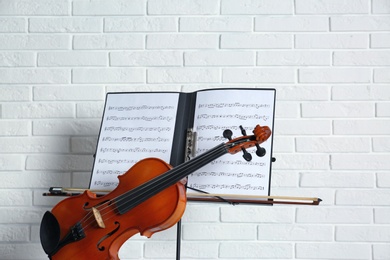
column 260, row 135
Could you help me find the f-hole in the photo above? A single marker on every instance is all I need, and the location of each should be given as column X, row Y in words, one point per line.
column 102, row 248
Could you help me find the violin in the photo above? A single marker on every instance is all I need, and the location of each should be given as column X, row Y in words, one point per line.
column 149, row 198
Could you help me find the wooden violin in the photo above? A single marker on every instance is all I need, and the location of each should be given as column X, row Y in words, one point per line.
column 149, row 198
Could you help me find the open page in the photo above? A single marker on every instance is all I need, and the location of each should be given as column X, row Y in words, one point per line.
column 134, row 126
column 217, row 110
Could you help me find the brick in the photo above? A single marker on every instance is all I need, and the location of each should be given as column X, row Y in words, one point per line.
column 68, row 93
column 338, row 109
column 14, row 128
column 383, row 110
column 360, row 23
column 380, row 40
column 182, row 41
column 332, row 7
column 363, row 233
column 46, row 76
column 302, row 162
column 380, row 7
column 333, row 251
column 108, row 75
column 140, row 24
column 284, row 179
column 258, row 75
column 360, row 161
column 293, row 58
column 302, row 127
column 65, row 25
column 219, row 58
column 381, row 144
column 83, row 144
column 333, row 75
column 81, row 179
column 34, row 42
column 159, row 249
column 283, row 144
column 15, row 215
column 17, row 59
column 381, row 215
column 287, row 110
column 15, row 198
column 66, row 127
column 255, row 250
column 337, row 180
column 257, row 7
column 146, row 58
column 200, row 250
column 34, row 179
column 332, row 144
column 34, row 145
column 72, row 59
column 21, row 250
column 114, row 7
column 302, row 93
column 334, row 215
column 15, row 93
column 361, row 92
column 134, row 249
column 216, row 24
column 383, row 180
column 219, row 232
column 382, row 75
column 254, row 214
column 89, row 110
column 363, row 197
column 183, row 75
column 256, row 41
column 108, row 42
column 361, row 127
column 381, row 251
column 361, row 58
column 331, row 41
column 38, row 110
column 209, row 214
column 11, row 162
column 37, row 7
column 183, row 7
column 291, row 24
column 59, row 162
column 294, row 232
column 13, row 233
column 147, row 87
column 12, row 25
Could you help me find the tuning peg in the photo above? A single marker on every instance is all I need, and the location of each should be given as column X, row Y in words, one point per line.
column 228, row 134
column 260, row 151
column 243, row 132
column 247, row 156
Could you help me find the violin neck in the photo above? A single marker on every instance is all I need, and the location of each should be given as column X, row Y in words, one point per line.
column 134, row 197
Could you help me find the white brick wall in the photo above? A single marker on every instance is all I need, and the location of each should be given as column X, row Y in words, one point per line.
column 329, row 61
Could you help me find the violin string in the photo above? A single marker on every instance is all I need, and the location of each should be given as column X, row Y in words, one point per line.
column 162, row 181
column 139, row 195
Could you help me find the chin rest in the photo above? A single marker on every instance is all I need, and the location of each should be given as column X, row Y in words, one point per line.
column 49, row 233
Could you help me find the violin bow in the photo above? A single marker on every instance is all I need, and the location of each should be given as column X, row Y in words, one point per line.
column 231, row 198
column 253, row 199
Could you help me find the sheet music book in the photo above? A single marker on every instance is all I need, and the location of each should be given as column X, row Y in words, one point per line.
column 139, row 125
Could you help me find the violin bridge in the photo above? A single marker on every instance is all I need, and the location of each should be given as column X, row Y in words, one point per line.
column 98, row 217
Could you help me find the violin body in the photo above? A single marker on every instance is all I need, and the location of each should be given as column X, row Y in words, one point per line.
column 158, row 213
column 149, row 198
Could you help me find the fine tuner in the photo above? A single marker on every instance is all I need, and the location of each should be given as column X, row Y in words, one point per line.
column 260, row 151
